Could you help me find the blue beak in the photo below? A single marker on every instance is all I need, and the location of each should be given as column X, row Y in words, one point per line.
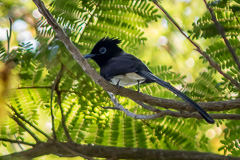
column 87, row 56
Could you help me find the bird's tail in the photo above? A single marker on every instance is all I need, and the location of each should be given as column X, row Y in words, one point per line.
column 151, row 77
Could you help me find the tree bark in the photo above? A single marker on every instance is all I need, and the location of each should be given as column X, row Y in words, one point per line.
column 57, row 148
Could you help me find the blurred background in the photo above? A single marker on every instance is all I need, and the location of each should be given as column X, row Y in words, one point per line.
column 163, row 40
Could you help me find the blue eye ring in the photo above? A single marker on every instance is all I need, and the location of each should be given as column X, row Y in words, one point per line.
column 103, row 50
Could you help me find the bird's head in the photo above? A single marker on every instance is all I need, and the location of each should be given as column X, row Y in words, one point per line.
column 105, row 49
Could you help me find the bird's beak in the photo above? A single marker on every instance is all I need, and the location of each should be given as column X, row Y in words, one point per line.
column 87, row 56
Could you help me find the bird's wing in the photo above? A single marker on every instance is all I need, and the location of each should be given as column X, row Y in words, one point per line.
column 122, row 65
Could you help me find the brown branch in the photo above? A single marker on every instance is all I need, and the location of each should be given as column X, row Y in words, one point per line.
column 116, row 152
column 16, row 141
column 198, row 48
column 220, row 29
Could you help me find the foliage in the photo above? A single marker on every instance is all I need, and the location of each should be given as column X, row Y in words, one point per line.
column 227, row 15
column 205, row 28
column 231, row 139
column 89, row 21
column 86, row 22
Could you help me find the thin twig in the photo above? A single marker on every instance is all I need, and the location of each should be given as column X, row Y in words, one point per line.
column 16, row 141
column 220, row 29
column 25, row 128
column 25, row 120
column 128, row 113
column 198, row 48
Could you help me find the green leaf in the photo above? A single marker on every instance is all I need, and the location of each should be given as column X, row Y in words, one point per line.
column 235, row 8
column 237, row 1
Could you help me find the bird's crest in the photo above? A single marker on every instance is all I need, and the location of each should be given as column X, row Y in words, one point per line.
column 109, row 41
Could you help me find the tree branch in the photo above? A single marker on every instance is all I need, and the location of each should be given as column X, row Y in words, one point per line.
column 198, row 48
column 220, row 29
column 116, row 152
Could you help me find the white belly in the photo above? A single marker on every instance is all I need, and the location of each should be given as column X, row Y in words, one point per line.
column 128, row 79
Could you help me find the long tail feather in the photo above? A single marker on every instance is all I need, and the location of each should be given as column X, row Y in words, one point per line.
column 150, row 76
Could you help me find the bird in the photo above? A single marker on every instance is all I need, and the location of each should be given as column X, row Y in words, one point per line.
column 123, row 69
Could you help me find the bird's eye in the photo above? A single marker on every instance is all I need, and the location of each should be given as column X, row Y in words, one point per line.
column 103, row 50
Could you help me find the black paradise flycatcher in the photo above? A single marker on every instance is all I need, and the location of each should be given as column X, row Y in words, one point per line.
column 123, row 69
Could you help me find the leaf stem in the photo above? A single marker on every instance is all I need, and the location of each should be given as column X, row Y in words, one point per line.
column 34, row 87
column 16, row 141
column 25, row 120
column 25, row 128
